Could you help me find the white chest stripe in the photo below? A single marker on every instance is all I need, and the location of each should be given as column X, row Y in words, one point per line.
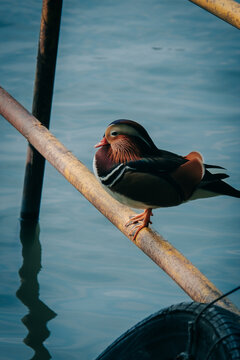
column 105, row 178
column 115, row 175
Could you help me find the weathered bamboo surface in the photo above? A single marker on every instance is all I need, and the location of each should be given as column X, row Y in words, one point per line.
column 227, row 10
column 180, row 269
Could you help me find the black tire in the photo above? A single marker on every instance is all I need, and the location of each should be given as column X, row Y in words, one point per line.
column 164, row 335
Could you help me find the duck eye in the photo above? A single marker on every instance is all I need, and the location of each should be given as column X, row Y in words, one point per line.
column 114, row 133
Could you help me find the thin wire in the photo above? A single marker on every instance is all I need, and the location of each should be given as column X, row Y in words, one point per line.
column 214, row 301
column 194, row 324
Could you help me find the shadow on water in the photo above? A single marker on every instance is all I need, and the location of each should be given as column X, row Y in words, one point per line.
column 28, row 292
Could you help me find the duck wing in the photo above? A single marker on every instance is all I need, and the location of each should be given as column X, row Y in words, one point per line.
column 157, row 181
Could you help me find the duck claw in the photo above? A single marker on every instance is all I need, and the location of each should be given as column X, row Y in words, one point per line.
column 143, row 219
column 135, row 219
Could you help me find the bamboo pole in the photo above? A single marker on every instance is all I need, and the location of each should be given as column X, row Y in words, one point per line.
column 181, row 270
column 42, row 103
column 227, row 10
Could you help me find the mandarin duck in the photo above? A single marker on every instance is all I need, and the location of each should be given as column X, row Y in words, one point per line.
column 138, row 174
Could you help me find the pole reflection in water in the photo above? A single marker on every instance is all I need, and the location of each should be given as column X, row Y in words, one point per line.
column 39, row 313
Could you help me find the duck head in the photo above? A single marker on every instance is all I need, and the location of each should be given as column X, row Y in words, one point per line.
column 126, row 140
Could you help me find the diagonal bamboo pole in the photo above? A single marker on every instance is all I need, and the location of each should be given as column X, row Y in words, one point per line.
column 180, row 269
column 227, row 10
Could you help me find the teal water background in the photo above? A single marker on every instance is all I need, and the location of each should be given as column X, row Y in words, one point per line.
column 175, row 69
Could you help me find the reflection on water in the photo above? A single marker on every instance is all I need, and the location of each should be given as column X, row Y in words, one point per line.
column 28, row 292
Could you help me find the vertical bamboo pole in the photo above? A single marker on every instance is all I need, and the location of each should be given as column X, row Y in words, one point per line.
column 42, row 103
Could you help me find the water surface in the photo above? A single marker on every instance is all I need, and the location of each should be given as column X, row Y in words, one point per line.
column 174, row 68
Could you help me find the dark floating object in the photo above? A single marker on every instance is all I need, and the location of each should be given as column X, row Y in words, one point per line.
column 209, row 333
column 156, row 48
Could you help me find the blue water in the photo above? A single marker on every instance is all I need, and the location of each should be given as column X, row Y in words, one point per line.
column 175, row 69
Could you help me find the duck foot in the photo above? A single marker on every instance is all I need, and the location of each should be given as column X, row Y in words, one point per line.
column 143, row 219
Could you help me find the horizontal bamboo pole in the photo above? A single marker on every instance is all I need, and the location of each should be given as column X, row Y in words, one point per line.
column 227, row 10
column 181, row 270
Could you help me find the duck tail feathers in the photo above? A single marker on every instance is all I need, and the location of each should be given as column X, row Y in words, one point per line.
column 207, row 166
column 222, row 188
column 220, row 176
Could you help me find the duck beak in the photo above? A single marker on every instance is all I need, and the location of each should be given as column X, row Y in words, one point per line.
column 103, row 142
